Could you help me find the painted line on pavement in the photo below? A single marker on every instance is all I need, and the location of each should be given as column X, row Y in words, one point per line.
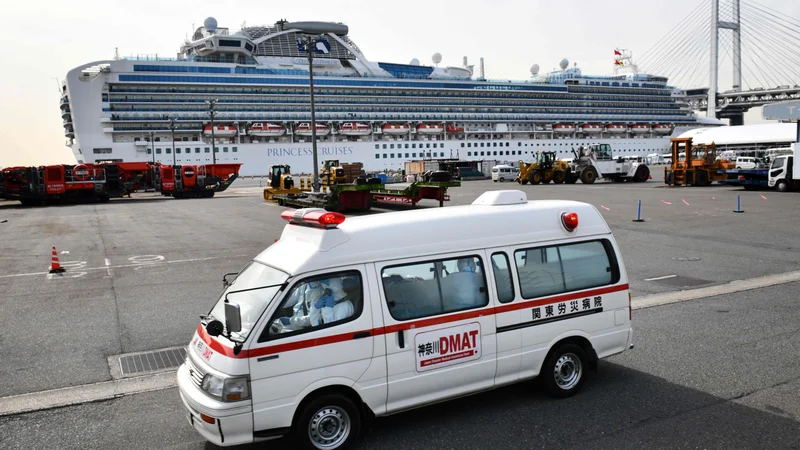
column 660, row 278
column 107, row 390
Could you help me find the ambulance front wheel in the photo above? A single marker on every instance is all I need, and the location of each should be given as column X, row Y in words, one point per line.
column 564, row 370
column 329, row 422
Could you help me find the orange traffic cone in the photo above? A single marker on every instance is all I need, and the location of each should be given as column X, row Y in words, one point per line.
column 55, row 267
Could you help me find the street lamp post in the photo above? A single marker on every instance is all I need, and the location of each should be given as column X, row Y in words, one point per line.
column 211, row 112
column 172, row 129
column 310, row 42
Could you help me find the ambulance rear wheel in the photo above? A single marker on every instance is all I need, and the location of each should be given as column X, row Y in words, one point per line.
column 329, row 422
column 564, row 370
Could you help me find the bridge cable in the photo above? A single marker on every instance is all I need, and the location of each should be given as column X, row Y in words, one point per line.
column 760, row 55
column 794, row 32
column 786, row 54
column 689, row 41
column 781, row 15
column 676, row 39
column 695, row 49
column 670, row 33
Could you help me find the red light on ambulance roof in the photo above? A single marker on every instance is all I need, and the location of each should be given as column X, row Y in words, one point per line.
column 570, row 221
column 313, row 217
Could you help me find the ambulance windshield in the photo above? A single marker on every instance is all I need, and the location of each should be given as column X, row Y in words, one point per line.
column 253, row 289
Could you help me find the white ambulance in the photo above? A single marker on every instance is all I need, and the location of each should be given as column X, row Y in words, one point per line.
column 343, row 320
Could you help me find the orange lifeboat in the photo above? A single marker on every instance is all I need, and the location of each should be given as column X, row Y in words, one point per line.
column 640, row 128
column 564, row 128
column 662, row 128
column 394, row 129
column 429, row 129
column 591, row 128
column 454, row 130
column 355, row 129
column 220, row 131
column 267, row 129
column 304, row 129
column 616, row 128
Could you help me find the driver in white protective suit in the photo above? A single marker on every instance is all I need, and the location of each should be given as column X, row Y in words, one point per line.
column 314, row 305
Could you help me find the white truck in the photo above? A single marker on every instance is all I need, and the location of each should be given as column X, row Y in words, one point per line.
column 784, row 172
column 596, row 161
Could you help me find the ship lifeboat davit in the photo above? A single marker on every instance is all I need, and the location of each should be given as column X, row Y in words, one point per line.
column 616, row 128
column 640, row 128
column 267, row 129
column 429, row 129
column 304, row 129
column 453, row 129
column 564, row 128
column 355, row 129
column 395, row 129
column 591, row 128
column 221, row 131
column 662, row 128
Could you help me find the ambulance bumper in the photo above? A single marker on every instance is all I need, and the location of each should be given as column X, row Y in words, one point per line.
column 232, row 423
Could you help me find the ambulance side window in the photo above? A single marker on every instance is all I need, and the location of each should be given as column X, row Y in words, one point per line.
column 437, row 287
column 563, row 268
column 317, row 302
column 502, row 277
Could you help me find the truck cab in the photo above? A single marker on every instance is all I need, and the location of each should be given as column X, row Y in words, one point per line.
column 783, row 172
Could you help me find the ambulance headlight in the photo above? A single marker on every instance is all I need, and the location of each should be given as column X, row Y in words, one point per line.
column 236, row 389
column 213, row 385
column 227, row 389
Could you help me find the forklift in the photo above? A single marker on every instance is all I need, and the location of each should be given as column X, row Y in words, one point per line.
column 546, row 168
column 280, row 182
column 699, row 166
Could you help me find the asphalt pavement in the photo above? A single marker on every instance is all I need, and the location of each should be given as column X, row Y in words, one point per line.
column 714, row 373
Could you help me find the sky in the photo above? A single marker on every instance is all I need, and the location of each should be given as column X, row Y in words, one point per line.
column 42, row 40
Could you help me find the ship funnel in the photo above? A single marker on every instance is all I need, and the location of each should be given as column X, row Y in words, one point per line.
column 482, row 75
column 465, row 61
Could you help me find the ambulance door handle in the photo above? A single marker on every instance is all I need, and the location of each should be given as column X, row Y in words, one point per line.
column 401, row 339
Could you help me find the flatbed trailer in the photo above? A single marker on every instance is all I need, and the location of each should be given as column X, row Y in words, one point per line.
column 748, row 179
column 432, row 190
column 341, row 198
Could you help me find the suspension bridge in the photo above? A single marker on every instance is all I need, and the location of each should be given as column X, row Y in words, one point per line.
column 759, row 44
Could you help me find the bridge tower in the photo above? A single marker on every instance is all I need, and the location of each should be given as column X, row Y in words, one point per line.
column 735, row 26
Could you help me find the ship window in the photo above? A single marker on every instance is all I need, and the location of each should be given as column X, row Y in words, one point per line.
column 469, row 144
column 158, row 151
column 469, row 153
column 462, row 145
column 392, row 155
column 208, row 150
column 406, row 147
column 169, row 151
column 377, row 156
column 224, row 149
column 414, row 145
column 428, row 146
column 197, row 150
column 413, row 155
column 177, row 150
column 248, row 46
column 507, row 144
column 384, row 155
column 149, row 151
column 229, row 43
column 391, row 146
column 216, row 150
column 384, row 147
column 377, row 146
column 406, row 155
column 235, row 149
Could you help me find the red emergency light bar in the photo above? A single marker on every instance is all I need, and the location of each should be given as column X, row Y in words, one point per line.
column 570, row 221
column 315, row 217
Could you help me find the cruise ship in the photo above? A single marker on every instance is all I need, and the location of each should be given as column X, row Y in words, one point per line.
column 254, row 86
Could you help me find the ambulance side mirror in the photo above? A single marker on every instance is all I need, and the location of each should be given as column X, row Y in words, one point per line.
column 233, row 317
column 225, row 282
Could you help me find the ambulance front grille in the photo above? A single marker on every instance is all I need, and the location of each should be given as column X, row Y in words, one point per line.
column 194, row 373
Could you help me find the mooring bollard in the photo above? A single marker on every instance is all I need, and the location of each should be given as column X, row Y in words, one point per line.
column 639, row 213
column 738, row 204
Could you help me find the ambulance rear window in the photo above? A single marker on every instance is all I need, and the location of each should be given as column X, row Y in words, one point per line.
column 557, row 269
